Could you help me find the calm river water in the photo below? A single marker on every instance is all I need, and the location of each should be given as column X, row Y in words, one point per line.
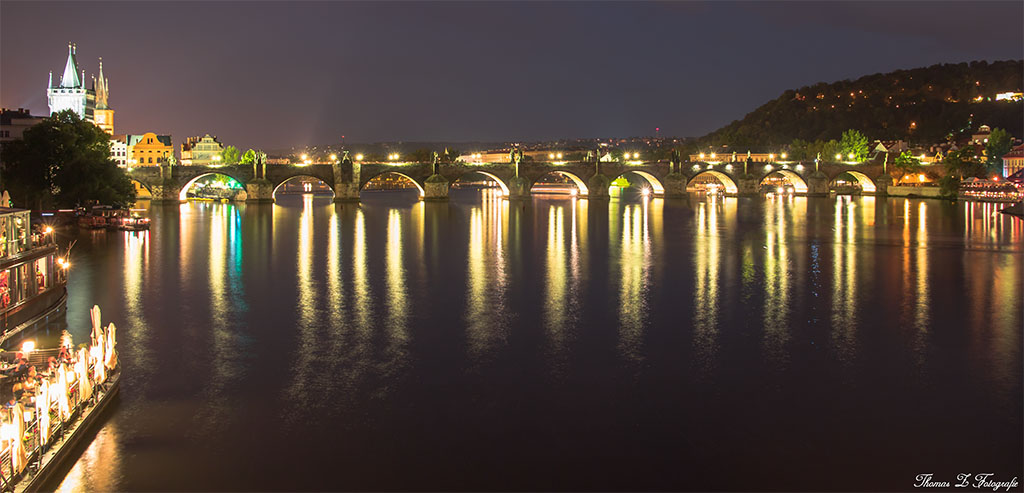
column 753, row 343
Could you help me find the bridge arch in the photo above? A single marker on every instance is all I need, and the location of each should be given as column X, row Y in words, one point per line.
column 142, row 190
column 576, row 180
column 726, row 180
column 419, row 186
column 799, row 185
column 294, row 177
column 657, row 189
column 183, row 193
column 501, row 183
column 867, row 185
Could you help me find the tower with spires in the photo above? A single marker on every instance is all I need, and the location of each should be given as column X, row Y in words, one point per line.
column 71, row 94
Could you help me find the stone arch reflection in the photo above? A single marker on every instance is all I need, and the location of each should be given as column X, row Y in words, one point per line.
column 560, row 183
column 220, row 181
column 491, row 177
column 711, row 181
column 783, row 181
column 301, row 184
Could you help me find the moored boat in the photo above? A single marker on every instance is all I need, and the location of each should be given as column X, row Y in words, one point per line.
column 33, row 275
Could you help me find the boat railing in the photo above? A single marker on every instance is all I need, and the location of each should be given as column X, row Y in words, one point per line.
column 41, row 432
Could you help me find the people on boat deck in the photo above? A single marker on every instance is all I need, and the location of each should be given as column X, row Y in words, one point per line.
column 19, row 388
column 51, row 364
column 64, row 355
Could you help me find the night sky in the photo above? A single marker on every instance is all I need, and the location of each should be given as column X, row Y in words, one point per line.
column 276, row 74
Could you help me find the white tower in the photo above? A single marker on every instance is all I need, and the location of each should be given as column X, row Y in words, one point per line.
column 71, row 94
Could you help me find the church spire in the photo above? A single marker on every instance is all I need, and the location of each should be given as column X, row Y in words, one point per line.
column 70, row 78
column 49, row 85
column 101, row 89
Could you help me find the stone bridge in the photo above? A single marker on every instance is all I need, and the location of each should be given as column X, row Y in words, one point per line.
column 665, row 178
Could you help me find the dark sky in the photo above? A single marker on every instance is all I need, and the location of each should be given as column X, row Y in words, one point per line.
column 276, row 74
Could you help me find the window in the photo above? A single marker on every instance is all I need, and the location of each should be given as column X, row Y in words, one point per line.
column 42, row 272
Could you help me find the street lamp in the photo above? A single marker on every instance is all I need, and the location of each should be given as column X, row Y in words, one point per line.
column 850, row 155
column 359, row 157
column 334, row 157
column 839, row 157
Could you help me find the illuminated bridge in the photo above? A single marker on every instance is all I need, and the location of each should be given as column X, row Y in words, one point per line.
column 664, row 178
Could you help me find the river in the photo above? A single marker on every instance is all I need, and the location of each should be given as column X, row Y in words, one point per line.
column 706, row 344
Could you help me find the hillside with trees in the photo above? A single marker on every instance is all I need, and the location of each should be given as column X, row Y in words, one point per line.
column 923, row 105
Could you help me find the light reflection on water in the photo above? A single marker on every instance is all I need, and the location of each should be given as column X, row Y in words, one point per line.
column 354, row 324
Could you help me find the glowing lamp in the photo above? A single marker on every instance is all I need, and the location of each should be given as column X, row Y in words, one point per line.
column 850, row 155
column 47, row 230
column 783, row 155
column 334, row 157
column 28, row 346
column 702, row 155
column 359, row 157
column 839, row 157
column 771, row 157
column 712, row 155
column 551, row 156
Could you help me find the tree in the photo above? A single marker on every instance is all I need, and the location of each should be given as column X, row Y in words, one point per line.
column 907, row 163
column 854, row 142
column 959, row 164
column 64, row 161
column 230, row 155
column 999, row 144
column 249, row 157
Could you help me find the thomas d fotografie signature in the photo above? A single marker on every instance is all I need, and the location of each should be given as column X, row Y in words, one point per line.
column 966, row 480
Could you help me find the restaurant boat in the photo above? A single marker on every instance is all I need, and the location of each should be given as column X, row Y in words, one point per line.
column 33, row 275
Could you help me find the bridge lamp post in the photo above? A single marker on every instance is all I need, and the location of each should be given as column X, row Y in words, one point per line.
column 334, row 157
column 702, row 156
column 783, row 156
column 850, row 155
column 839, row 157
column 359, row 157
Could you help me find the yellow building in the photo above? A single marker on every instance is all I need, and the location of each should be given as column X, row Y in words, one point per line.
column 1013, row 161
column 149, row 149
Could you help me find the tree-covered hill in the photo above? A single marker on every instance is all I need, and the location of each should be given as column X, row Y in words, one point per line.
column 922, row 105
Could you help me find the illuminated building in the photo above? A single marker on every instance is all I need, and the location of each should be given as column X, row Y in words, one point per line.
column 71, row 94
column 201, row 151
column 119, row 150
column 148, row 149
column 1013, row 161
column 14, row 122
column 981, row 136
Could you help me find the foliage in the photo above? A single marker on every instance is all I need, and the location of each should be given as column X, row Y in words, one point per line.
column 999, row 144
column 854, row 142
column 419, row 156
column 961, row 163
column 230, row 155
column 938, row 99
column 249, row 157
column 802, row 150
column 64, row 161
column 907, row 163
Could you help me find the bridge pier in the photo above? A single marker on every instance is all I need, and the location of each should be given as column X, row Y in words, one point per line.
column 746, row 185
column 259, row 191
column 164, row 193
column 882, row 184
column 346, row 192
column 519, row 188
column 598, row 187
column 817, row 185
column 675, row 185
column 435, row 188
